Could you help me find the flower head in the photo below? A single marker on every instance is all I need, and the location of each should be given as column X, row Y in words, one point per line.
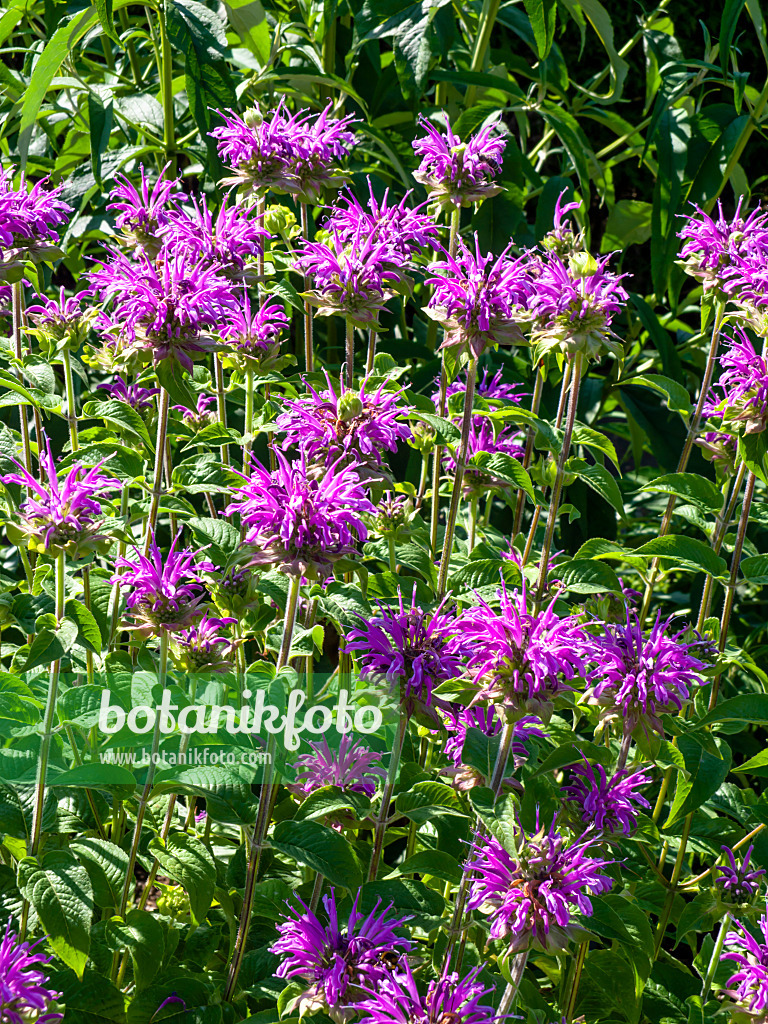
column 521, row 660
column 143, row 213
column 642, row 675
column 449, row 1000
column 61, row 319
column 24, row 992
column 404, row 230
column 737, row 883
column 338, row 961
column 459, row 721
column 477, row 298
column 256, row 334
column 202, row 648
column 606, row 805
column 353, row 767
column 62, row 514
column 714, row 247
column 132, row 394
column 352, row 424
column 573, row 305
column 459, row 173
column 228, row 242
column 562, row 239
column 739, row 400
column 29, row 219
column 201, row 416
column 163, row 593
column 531, row 896
column 301, row 524
column 409, row 649
column 751, row 955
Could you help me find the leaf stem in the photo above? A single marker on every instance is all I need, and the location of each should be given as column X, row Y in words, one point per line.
column 157, row 480
column 386, row 798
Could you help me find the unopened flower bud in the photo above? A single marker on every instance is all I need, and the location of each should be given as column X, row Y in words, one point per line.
column 253, row 117
column 423, row 436
column 349, row 406
column 279, row 220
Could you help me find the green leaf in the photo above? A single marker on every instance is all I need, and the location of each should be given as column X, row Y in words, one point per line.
column 748, row 707
column 408, row 897
column 678, row 399
column 706, row 774
column 248, row 19
column 599, row 479
column 503, row 467
column 426, row 800
column 330, row 800
column 122, row 415
column 100, row 118
column 430, row 862
column 686, row 553
column 142, row 935
column 600, row 20
column 590, row 438
column 583, row 576
column 728, row 19
column 543, row 16
column 187, row 861
column 60, row 891
column 106, row 865
column 97, row 775
column 92, row 1000
column 320, row 848
column 221, row 537
column 752, row 451
column 629, row 223
column 88, row 632
column 695, row 489
column 755, row 569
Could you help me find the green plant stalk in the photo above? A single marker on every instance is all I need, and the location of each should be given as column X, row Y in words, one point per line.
column 538, row 387
column 472, row 522
column 221, row 402
column 166, row 80
column 371, row 351
column 484, row 26
column 48, row 718
column 693, row 430
column 458, row 482
column 309, row 360
column 715, row 958
column 71, row 406
column 676, row 872
column 247, row 448
column 124, row 494
column 580, row 958
column 17, row 300
column 557, row 489
column 510, row 993
column 392, row 555
column 157, row 479
column 268, row 794
column 386, row 799
column 130, row 47
column 730, row 592
column 162, row 676
column 718, row 536
column 350, row 354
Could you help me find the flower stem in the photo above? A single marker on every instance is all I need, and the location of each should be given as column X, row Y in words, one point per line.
column 371, row 351
column 500, row 768
column 50, row 713
column 141, row 810
column 693, row 430
column 248, row 420
column 472, row 522
column 718, row 536
column 221, row 403
column 71, row 407
column 676, row 872
column 730, row 592
column 580, row 958
column 308, row 351
column 266, row 800
column 386, row 798
column 17, row 298
column 350, row 354
column 166, row 81
column 557, row 489
column 458, row 482
column 538, row 387
column 715, row 958
column 626, row 740
column 510, row 993
column 392, row 555
column 157, row 479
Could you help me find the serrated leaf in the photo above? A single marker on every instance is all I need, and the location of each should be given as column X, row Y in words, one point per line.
column 106, row 865
column 142, row 935
column 691, row 487
column 706, row 773
column 88, row 632
column 186, row 860
column 60, row 891
column 320, row 848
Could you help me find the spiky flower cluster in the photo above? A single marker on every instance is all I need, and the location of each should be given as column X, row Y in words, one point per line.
column 450, row 998
column 739, row 400
column 748, row 987
column 255, row 334
column 203, row 647
column 716, row 250
column 486, row 721
column 457, row 173
column 403, row 229
column 607, row 805
column 353, row 767
column 29, row 219
column 25, row 994
column 737, row 883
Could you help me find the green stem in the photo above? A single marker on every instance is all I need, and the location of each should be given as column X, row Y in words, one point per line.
column 580, row 958
column 718, row 536
column 130, row 47
column 669, row 901
column 350, row 354
column 557, row 489
column 392, row 555
column 484, row 26
column 458, row 483
column 221, row 402
column 157, row 480
column 268, row 793
column 510, row 993
column 538, row 387
column 17, row 299
column 71, row 406
column 166, row 80
column 371, row 351
column 386, row 799
column 308, row 350
column 162, row 676
column 248, row 420
column 115, row 618
column 472, row 523
column 693, row 430
column 715, row 958
column 50, row 713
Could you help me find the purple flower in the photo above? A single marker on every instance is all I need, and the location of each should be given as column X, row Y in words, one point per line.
column 257, row 334
column 163, row 593
column 739, row 400
column 640, row 676
column 607, row 805
column 521, row 660
column 751, row 980
column 60, row 319
column 352, row 424
column 337, row 962
column 572, row 306
column 477, row 298
column 531, row 896
column 62, row 515
column 411, row 650
column 402, row 229
column 352, row 768
column 300, row 524
column 449, row 1000
column 132, row 394
column 28, row 223
column 562, row 239
column 201, row 648
column 720, row 449
column 459, row 173
column 229, row 243
column 487, row 721
column 162, row 308
column 143, row 212
column 201, row 416
column 353, row 280
column 492, row 389
column 713, row 247
column 737, row 883
column 394, row 514
column 321, row 143
column 24, row 995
